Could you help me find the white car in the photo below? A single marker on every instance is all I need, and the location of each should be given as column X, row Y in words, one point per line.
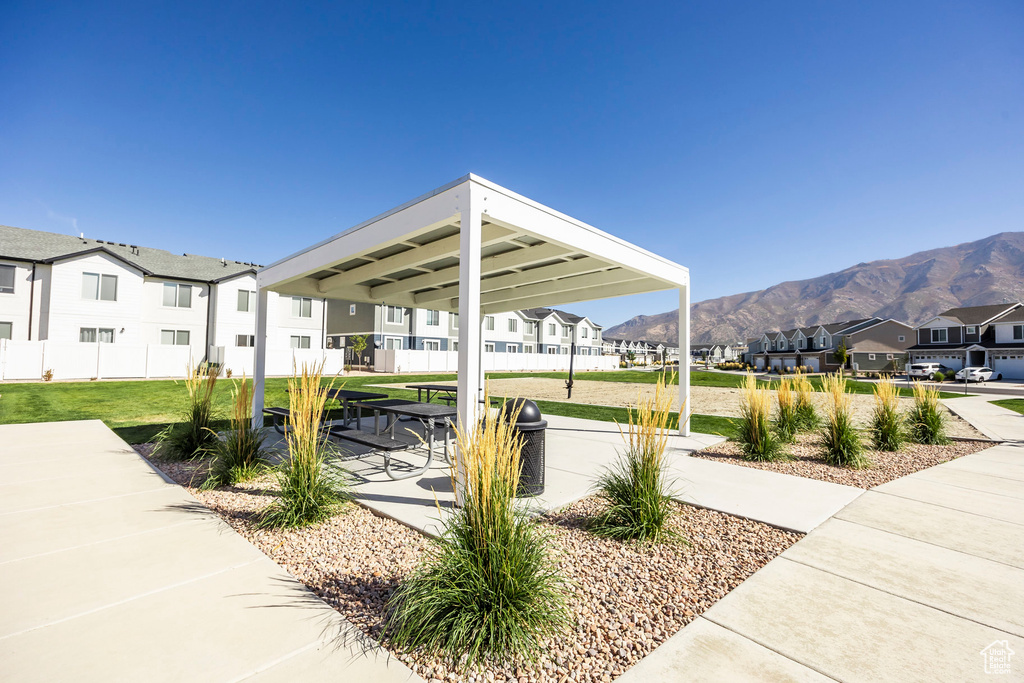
column 976, row 374
column 926, row 370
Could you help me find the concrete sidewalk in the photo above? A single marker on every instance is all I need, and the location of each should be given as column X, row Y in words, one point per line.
column 109, row 572
column 995, row 422
column 913, row 581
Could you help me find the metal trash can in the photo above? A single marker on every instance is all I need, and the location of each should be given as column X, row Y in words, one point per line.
column 531, row 462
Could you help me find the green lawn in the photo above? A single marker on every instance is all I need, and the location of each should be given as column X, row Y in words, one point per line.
column 1016, row 404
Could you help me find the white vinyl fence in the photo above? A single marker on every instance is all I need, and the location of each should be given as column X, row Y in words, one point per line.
column 391, row 360
column 82, row 360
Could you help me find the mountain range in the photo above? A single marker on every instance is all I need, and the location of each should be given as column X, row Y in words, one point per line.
column 909, row 289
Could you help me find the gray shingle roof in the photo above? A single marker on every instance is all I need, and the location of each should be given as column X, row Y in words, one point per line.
column 1014, row 316
column 47, row 247
column 976, row 315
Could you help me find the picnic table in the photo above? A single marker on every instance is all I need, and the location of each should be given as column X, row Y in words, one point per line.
column 428, row 414
column 433, row 390
column 280, row 416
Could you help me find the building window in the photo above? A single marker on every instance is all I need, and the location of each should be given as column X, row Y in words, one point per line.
column 300, row 342
column 888, row 356
column 529, row 327
column 972, row 329
column 104, row 335
column 393, row 343
column 871, row 356
column 395, row 315
column 177, row 296
column 99, row 287
column 174, row 337
column 455, row 321
column 584, row 333
column 6, row 330
column 1018, row 332
column 433, row 318
column 454, row 346
column 489, row 347
column 351, row 309
column 511, row 348
column 901, row 338
column 302, row 307
column 489, row 322
column 563, row 350
column 246, row 301
column 247, row 340
column 552, row 350
column 513, row 325
column 7, row 280
column 939, row 335
column 566, row 331
column 431, row 345
column 527, row 348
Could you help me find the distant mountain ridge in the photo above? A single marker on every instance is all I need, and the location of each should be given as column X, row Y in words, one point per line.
column 910, row 289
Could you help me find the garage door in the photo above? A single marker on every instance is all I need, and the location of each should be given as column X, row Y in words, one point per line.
column 776, row 362
column 759, row 363
column 812, row 363
column 789, row 362
column 1010, row 366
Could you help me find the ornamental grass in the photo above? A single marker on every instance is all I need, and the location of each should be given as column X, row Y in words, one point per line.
column 488, row 587
column 636, row 488
column 756, row 437
column 926, row 422
column 887, row 432
column 840, row 441
column 240, row 456
column 193, row 438
column 310, row 493
column 785, row 411
column 806, row 416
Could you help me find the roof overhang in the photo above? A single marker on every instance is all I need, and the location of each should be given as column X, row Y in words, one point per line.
column 532, row 256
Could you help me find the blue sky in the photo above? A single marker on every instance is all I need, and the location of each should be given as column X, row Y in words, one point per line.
column 754, row 143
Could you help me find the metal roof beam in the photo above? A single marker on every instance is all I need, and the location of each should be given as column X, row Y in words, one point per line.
column 563, row 298
column 605, row 278
column 520, row 278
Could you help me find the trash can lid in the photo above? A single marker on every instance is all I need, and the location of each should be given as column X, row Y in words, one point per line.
column 529, row 412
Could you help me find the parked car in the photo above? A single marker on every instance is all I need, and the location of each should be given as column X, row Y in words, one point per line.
column 927, row 370
column 976, row 374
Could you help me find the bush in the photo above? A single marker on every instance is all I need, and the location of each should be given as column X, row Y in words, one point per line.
column 756, row 437
column 806, row 415
column 636, row 488
column 938, row 377
column 839, row 439
column 487, row 587
column 785, row 411
column 193, row 437
column 309, row 493
column 886, row 422
column 240, row 455
column 926, row 422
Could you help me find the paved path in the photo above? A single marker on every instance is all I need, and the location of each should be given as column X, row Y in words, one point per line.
column 108, row 572
column 910, row 582
column 993, row 421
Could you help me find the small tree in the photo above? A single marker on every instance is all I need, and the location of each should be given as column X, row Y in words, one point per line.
column 358, row 346
column 631, row 357
column 842, row 355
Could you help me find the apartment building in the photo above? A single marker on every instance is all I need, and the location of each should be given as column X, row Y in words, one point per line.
column 873, row 344
column 62, row 288
column 991, row 336
column 535, row 330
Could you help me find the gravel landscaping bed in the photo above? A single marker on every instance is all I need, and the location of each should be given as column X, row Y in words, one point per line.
column 626, row 599
column 885, row 466
column 704, row 400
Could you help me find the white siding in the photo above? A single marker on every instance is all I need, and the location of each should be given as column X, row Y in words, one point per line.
column 1004, row 333
column 157, row 317
column 69, row 312
column 14, row 308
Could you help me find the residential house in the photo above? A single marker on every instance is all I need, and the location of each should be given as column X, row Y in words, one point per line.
column 873, row 344
column 62, row 288
column 990, row 336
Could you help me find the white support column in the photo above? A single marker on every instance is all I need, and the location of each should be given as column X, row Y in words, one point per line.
column 259, row 369
column 684, row 361
column 470, row 337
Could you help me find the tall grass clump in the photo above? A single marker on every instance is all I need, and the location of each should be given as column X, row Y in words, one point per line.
column 926, row 422
column 193, row 437
column 309, row 492
column 839, row 439
column 240, row 456
column 886, row 422
column 785, row 411
column 636, row 487
column 758, row 440
column 488, row 588
column 806, row 416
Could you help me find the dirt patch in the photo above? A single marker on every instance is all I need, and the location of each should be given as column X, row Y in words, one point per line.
column 626, row 599
column 704, row 400
column 885, row 466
